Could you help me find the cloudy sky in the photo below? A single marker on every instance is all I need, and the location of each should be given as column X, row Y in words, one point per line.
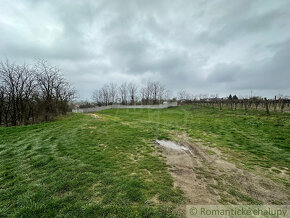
column 213, row 46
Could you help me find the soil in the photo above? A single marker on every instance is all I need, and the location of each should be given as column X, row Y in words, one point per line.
column 207, row 178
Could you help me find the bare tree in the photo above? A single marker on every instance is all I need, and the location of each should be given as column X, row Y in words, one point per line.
column 2, row 101
column 183, row 95
column 113, row 92
column 96, row 97
column 11, row 76
column 143, row 95
column 48, row 78
column 27, row 92
column 149, row 93
column 155, row 91
column 123, row 92
column 162, row 94
column 132, row 90
column 105, row 90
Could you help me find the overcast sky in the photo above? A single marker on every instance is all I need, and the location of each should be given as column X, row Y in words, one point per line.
column 213, row 46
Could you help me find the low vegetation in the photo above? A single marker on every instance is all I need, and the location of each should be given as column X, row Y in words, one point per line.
column 108, row 163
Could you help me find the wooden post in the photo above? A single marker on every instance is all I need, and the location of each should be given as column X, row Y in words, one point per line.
column 246, row 106
column 282, row 105
column 267, row 106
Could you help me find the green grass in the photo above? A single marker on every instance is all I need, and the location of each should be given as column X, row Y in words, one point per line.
column 261, row 140
column 81, row 166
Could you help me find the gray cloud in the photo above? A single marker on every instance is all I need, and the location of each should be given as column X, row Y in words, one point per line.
column 202, row 46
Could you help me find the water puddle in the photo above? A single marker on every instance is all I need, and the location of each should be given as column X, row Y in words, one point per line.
column 172, row 145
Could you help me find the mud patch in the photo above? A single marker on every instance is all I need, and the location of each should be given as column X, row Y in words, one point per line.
column 210, row 178
column 182, row 162
column 172, row 145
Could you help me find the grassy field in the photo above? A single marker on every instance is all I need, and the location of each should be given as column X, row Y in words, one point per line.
column 84, row 165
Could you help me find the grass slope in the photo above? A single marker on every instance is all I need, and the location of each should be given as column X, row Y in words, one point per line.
column 80, row 166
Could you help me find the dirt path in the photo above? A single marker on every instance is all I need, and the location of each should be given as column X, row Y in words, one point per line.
column 206, row 177
column 182, row 163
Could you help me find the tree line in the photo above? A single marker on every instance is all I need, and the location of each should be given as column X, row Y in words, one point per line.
column 156, row 93
column 32, row 93
column 130, row 94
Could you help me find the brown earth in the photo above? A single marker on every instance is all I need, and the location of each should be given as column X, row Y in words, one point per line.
column 206, row 177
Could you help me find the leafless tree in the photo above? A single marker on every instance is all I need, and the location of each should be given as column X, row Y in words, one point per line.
column 105, row 93
column 113, row 92
column 27, row 93
column 149, row 92
column 97, row 97
column 162, row 94
column 183, row 95
column 49, row 80
column 143, row 95
column 152, row 93
column 2, row 102
column 132, row 90
column 12, row 80
column 123, row 92
column 102, row 96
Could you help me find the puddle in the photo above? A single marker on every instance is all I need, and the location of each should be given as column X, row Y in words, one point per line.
column 172, row 145
column 95, row 115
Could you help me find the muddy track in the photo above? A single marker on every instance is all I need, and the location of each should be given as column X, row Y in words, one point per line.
column 209, row 178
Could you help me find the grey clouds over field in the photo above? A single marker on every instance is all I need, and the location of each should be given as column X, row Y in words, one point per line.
column 214, row 46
